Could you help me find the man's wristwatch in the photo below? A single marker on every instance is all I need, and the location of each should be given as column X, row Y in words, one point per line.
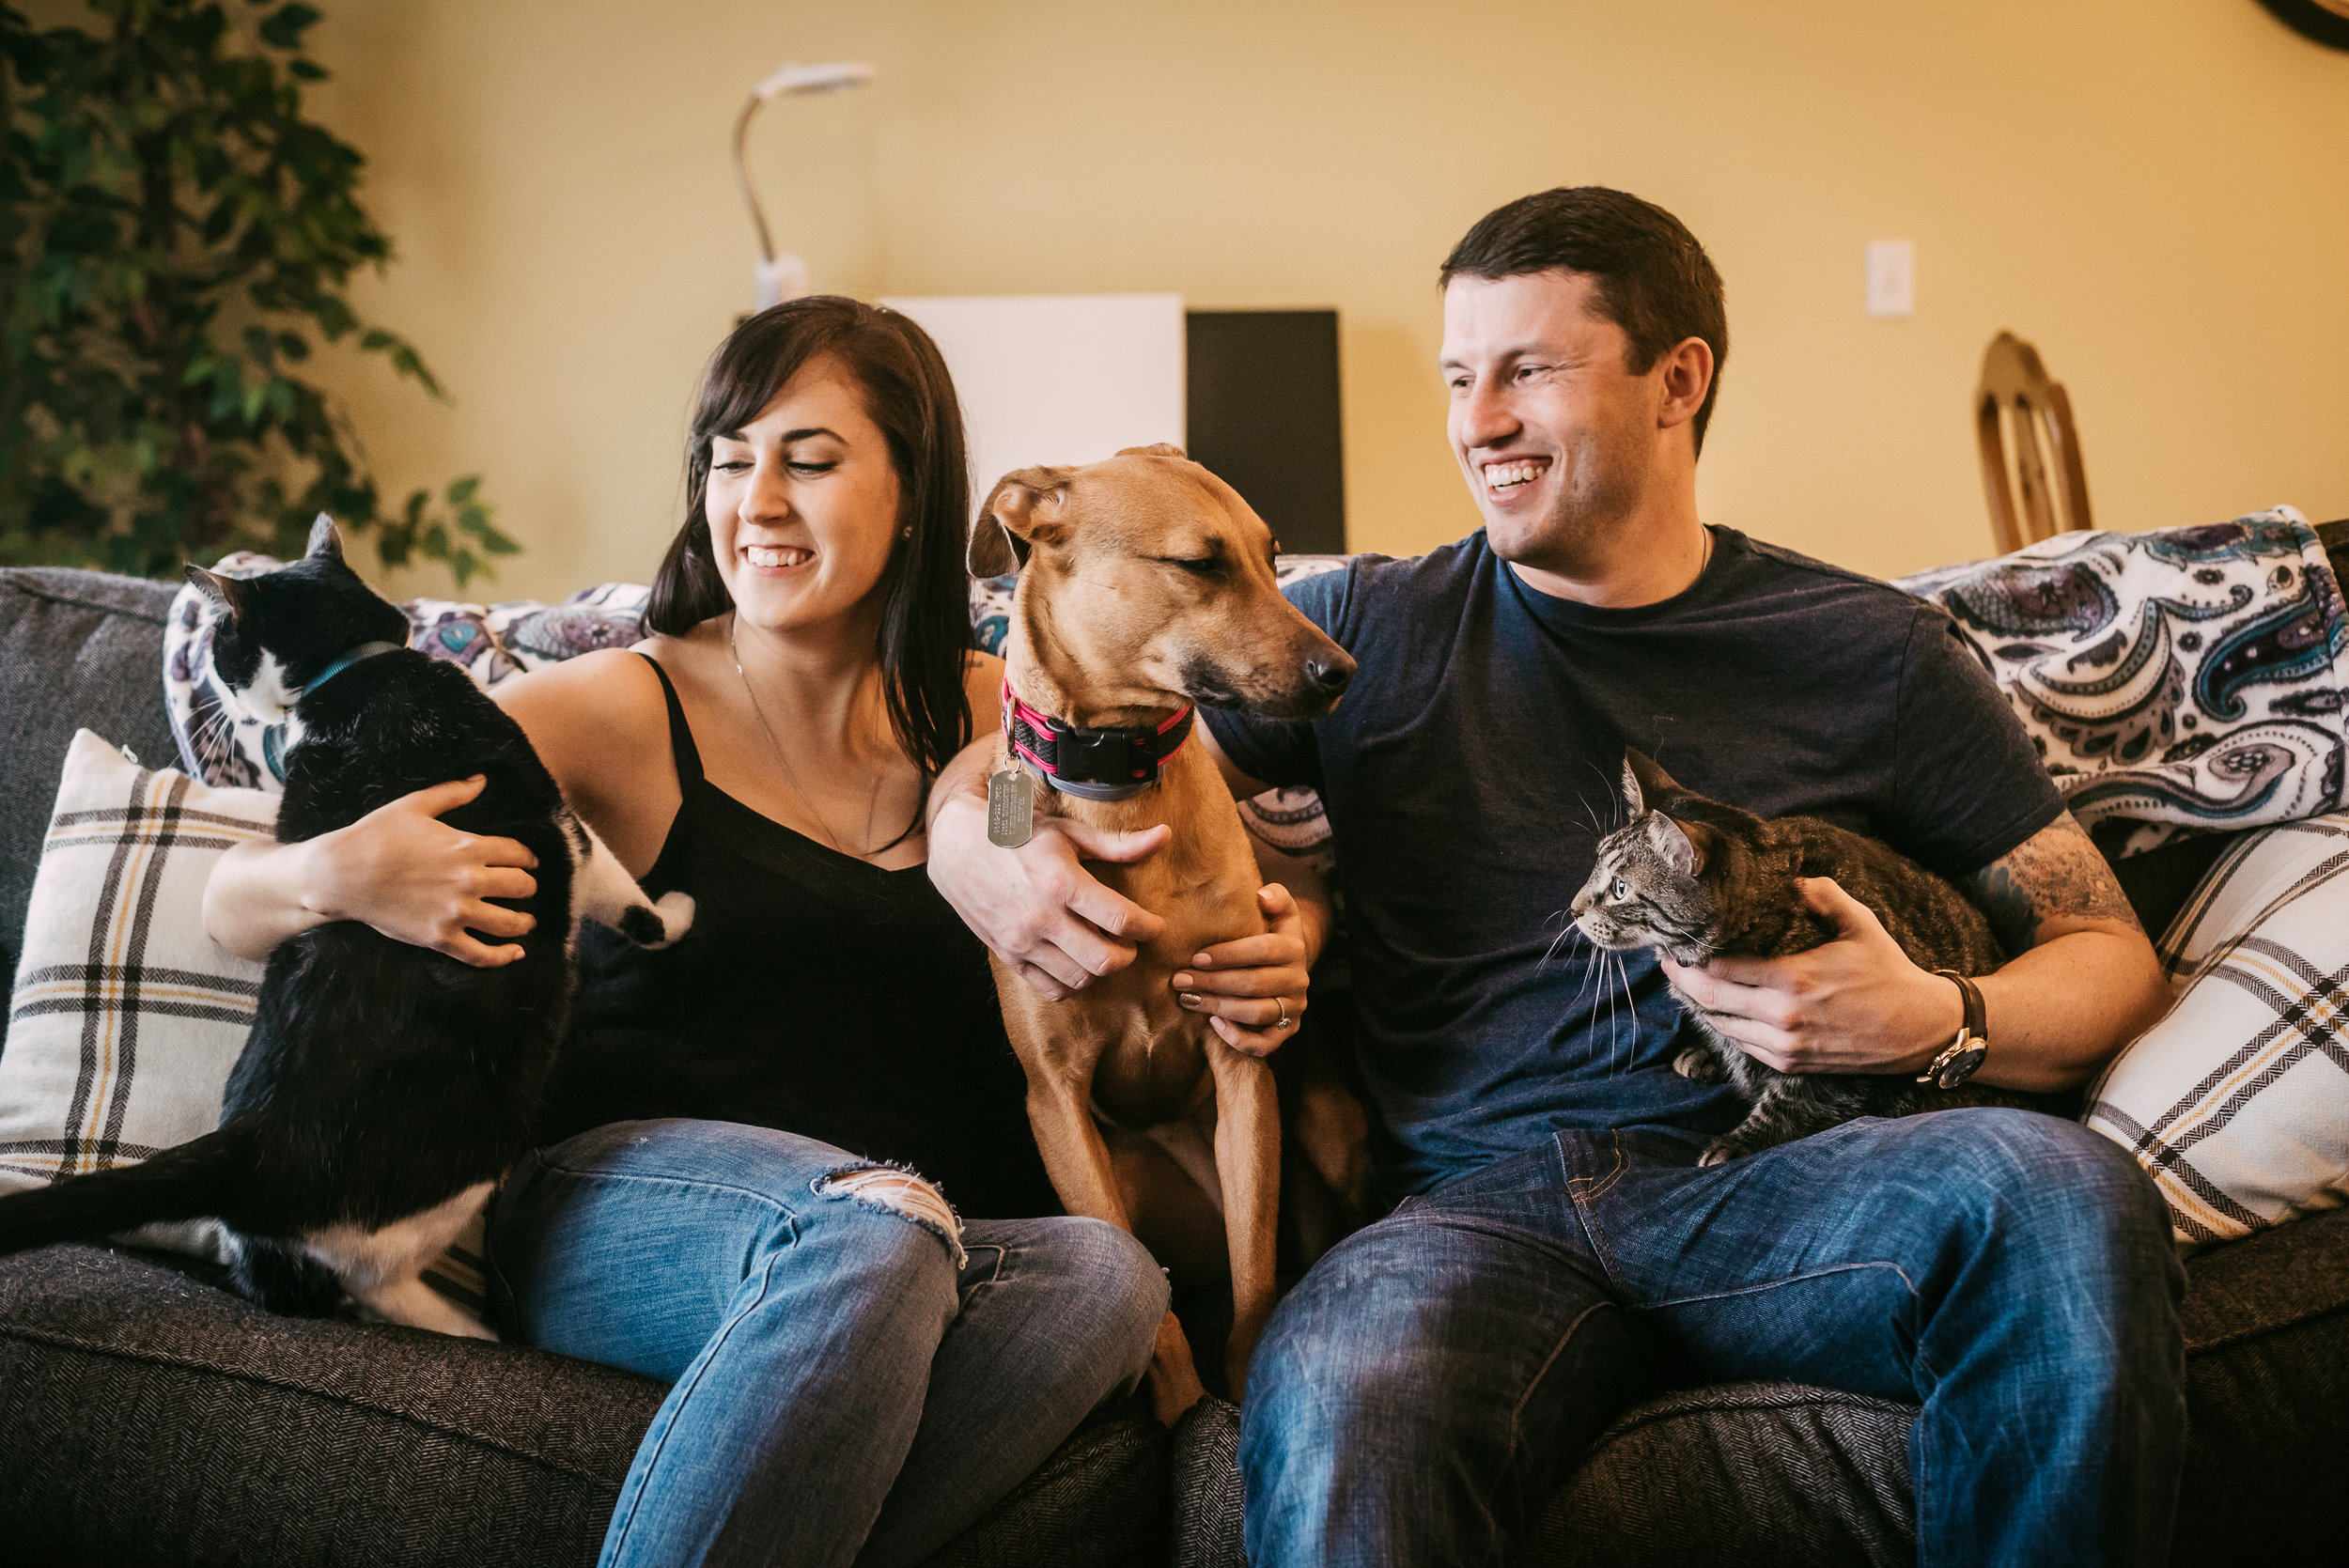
column 1963, row 1056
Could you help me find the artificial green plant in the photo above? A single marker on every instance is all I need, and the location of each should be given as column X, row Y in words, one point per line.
column 175, row 239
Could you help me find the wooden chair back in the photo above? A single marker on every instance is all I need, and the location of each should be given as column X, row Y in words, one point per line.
column 2031, row 451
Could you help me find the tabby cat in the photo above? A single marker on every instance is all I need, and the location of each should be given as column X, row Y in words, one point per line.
column 384, row 1086
column 1697, row 880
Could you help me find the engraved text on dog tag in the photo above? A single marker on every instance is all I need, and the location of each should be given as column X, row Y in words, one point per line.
column 1010, row 807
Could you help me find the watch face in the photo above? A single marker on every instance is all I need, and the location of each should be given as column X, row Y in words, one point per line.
column 1960, row 1067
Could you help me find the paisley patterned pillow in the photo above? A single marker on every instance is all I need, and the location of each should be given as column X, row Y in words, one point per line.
column 2182, row 681
column 490, row 641
column 494, row 642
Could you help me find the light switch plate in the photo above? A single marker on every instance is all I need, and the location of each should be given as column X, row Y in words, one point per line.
column 1892, row 277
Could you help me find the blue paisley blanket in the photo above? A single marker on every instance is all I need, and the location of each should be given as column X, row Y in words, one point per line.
column 2182, row 681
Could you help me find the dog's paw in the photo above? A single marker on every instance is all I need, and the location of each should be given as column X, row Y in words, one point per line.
column 1173, row 1381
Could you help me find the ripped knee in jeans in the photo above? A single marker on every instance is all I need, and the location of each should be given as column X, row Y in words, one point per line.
column 897, row 1190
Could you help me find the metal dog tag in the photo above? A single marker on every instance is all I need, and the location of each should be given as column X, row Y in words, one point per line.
column 1010, row 807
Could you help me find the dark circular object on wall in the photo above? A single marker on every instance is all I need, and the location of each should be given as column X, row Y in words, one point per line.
column 2326, row 20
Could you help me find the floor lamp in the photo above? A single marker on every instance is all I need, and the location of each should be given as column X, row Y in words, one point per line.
column 784, row 277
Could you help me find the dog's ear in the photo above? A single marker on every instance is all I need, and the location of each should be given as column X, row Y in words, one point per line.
column 1023, row 507
column 325, row 539
column 1155, row 449
column 992, row 552
column 226, row 592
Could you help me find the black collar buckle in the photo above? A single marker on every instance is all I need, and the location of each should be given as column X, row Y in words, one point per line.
column 1106, row 756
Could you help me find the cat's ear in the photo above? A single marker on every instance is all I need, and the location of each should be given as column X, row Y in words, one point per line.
column 1644, row 782
column 1681, row 849
column 325, row 539
column 228, row 592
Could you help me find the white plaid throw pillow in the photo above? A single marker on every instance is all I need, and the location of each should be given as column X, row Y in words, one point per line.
column 2236, row 1103
column 126, row 1018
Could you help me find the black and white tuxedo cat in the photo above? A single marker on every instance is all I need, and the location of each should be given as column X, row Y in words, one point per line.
column 385, row 1087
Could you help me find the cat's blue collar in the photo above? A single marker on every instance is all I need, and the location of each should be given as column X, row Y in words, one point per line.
column 273, row 738
column 365, row 650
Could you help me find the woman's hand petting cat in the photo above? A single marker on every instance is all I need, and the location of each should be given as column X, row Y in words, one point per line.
column 1853, row 1005
column 1252, row 990
column 403, row 871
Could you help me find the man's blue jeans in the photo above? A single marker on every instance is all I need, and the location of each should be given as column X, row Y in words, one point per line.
column 849, row 1384
column 1422, row 1391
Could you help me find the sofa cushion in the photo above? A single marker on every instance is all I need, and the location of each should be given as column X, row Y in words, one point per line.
column 146, row 1415
column 1761, row 1474
column 77, row 649
column 1749, row 1474
column 1755, row 1474
column 126, row 1018
column 2237, row 1102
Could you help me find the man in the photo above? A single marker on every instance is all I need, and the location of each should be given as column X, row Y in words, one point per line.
column 1557, row 1252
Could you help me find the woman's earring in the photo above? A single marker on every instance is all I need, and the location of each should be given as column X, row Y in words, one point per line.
column 907, row 532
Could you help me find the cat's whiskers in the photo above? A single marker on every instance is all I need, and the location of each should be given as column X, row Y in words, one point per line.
column 1615, row 1041
column 1607, row 970
column 1590, row 975
column 1606, row 792
column 1570, row 929
column 212, row 733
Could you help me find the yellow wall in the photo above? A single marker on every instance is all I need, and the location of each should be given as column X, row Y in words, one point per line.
column 2157, row 195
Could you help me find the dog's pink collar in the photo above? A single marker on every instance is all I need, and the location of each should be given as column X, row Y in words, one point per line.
column 1092, row 765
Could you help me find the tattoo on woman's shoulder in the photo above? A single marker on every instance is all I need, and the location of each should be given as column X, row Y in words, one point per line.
column 2057, row 871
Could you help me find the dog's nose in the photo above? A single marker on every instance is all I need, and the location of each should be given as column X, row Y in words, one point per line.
column 1330, row 676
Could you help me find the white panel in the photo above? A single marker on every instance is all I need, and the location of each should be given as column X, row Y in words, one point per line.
column 1058, row 378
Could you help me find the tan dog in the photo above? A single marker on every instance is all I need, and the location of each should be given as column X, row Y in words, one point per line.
column 1148, row 586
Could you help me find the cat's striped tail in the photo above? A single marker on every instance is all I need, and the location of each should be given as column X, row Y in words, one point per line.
column 186, row 1182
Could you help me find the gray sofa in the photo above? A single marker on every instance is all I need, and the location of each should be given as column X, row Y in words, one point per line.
column 149, row 1416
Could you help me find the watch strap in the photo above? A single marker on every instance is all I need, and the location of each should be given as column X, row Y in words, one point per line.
column 1965, row 1052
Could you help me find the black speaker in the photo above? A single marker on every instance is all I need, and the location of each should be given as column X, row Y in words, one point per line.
column 1263, row 414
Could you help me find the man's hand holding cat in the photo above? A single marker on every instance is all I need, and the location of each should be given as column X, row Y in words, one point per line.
column 1853, row 1005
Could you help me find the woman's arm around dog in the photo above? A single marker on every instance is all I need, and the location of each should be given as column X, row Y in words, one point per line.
column 1059, row 928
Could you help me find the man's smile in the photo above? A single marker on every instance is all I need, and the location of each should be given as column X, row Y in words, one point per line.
column 1510, row 475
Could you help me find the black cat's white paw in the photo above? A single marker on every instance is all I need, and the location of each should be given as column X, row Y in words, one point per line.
column 660, row 923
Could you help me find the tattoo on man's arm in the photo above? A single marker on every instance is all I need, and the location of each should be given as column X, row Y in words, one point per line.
column 2055, row 872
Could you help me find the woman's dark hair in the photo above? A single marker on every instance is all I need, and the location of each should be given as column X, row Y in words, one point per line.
column 925, row 615
column 1652, row 277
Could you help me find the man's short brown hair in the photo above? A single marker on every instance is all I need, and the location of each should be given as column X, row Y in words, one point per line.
column 1650, row 275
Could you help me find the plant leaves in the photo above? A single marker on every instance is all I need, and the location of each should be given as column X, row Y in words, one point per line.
column 283, row 28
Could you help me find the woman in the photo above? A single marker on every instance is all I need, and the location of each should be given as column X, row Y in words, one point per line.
column 858, row 1373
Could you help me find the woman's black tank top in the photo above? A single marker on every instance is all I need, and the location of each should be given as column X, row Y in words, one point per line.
column 817, row 993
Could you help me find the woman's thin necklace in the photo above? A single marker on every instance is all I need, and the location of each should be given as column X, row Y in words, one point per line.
column 784, row 758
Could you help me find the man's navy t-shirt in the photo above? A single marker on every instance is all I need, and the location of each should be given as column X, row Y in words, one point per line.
column 1474, row 761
